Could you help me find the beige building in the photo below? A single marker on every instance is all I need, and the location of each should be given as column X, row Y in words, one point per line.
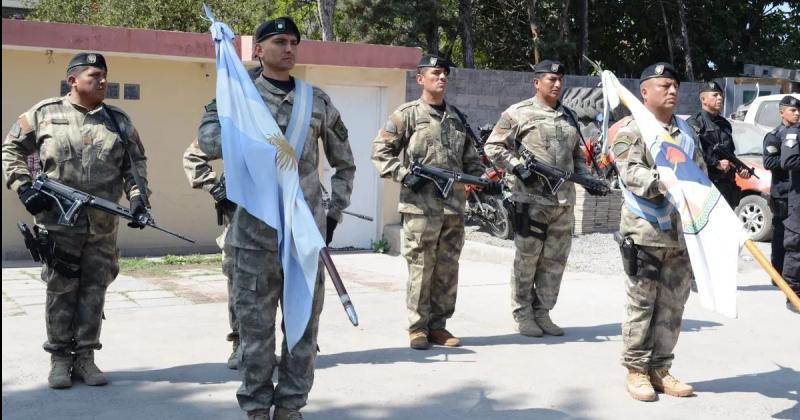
column 162, row 80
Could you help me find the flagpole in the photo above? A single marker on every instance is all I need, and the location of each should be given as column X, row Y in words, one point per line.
column 776, row 277
column 339, row 286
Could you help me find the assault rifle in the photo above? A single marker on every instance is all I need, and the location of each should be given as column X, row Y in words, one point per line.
column 71, row 202
column 444, row 179
column 738, row 165
column 555, row 177
column 326, row 204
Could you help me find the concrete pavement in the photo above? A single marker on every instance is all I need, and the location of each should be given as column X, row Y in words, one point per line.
column 165, row 351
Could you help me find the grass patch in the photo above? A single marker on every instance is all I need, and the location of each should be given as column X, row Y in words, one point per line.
column 160, row 267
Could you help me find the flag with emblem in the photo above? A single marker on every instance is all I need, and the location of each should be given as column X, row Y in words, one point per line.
column 711, row 230
column 261, row 176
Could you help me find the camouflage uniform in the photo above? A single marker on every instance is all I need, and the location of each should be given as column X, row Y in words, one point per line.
column 655, row 299
column 79, row 148
column 257, row 274
column 201, row 176
column 539, row 263
column 433, row 227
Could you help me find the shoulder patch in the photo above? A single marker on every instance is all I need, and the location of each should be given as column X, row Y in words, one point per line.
column 772, row 150
column 15, row 130
column 790, row 141
column 340, row 129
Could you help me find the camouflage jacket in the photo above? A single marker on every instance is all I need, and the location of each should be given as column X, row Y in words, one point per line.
column 79, row 148
column 423, row 134
column 637, row 170
column 547, row 133
column 246, row 231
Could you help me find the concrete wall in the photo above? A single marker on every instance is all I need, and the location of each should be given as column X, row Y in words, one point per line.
column 173, row 93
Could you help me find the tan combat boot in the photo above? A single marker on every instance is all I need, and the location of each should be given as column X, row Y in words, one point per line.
column 85, row 369
column 443, row 337
column 258, row 415
column 639, row 386
column 529, row 328
column 419, row 340
column 544, row 322
column 60, row 371
column 664, row 382
column 233, row 359
column 287, row 414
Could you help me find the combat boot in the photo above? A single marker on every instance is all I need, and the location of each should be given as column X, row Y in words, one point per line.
column 60, row 367
column 419, row 340
column 664, row 382
column 544, row 322
column 85, row 369
column 258, row 415
column 287, row 414
column 443, row 337
column 233, row 359
column 639, row 386
column 529, row 328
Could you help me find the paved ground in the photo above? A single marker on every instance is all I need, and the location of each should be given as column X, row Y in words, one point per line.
column 164, row 351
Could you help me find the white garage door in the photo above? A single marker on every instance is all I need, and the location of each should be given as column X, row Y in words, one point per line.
column 363, row 111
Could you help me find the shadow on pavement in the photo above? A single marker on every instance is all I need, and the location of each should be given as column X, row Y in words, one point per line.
column 780, row 383
column 589, row 334
column 201, row 373
column 435, row 354
column 758, row 288
column 466, row 403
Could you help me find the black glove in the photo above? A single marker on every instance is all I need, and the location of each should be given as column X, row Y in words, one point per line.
column 330, row 227
column 139, row 212
column 414, row 182
column 34, row 201
column 220, row 196
column 596, row 186
column 493, row 188
column 524, row 174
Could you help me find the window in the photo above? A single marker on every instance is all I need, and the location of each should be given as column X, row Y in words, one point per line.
column 768, row 114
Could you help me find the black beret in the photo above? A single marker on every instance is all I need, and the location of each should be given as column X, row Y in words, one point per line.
column 548, row 66
column 659, row 70
column 433, row 60
column 790, row 100
column 281, row 25
column 711, row 87
column 87, row 59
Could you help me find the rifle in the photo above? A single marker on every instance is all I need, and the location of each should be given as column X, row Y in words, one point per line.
column 444, row 179
column 326, row 204
column 738, row 165
column 71, row 201
column 555, row 177
column 339, row 286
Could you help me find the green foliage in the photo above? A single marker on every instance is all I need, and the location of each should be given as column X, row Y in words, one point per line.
column 138, row 264
column 381, row 246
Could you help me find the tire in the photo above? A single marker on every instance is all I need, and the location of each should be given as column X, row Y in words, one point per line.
column 754, row 212
column 585, row 102
column 502, row 226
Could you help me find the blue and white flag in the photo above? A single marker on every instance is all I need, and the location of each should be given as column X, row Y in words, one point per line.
column 711, row 230
column 261, row 176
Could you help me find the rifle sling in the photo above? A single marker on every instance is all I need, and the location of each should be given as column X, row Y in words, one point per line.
column 125, row 145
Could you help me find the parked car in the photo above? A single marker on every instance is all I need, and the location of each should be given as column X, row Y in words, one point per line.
column 753, row 209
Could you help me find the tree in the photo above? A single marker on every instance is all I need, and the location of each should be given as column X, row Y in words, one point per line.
column 326, row 10
column 687, row 51
column 465, row 12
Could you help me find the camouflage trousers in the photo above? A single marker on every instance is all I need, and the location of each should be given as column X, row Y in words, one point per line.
column 74, row 306
column 431, row 246
column 227, row 271
column 539, row 263
column 257, row 291
column 655, row 309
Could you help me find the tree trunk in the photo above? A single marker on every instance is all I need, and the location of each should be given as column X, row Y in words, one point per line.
column 687, row 52
column 669, row 34
column 584, row 45
column 465, row 10
column 325, row 8
column 431, row 27
column 563, row 37
column 536, row 29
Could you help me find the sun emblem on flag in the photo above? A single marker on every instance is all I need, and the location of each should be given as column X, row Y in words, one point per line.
column 285, row 158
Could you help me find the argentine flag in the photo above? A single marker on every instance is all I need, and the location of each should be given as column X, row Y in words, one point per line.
column 261, row 176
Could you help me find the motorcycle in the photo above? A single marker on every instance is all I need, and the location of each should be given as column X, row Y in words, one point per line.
column 489, row 210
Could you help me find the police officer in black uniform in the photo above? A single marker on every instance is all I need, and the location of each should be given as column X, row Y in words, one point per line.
column 714, row 131
column 779, row 189
column 790, row 162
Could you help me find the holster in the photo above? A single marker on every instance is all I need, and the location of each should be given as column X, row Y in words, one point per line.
column 43, row 249
column 522, row 223
column 635, row 261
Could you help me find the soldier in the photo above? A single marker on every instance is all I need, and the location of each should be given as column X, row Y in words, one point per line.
column 78, row 147
column 713, row 130
column 202, row 176
column 779, row 189
column 257, row 275
column 658, row 287
column 790, row 162
column 429, row 131
column 543, row 220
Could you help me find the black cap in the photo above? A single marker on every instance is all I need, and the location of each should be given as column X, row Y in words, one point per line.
column 433, row 60
column 711, row 87
column 790, row 100
column 548, row 66
column 659, row 70
column 87, row 59
column 281, row 25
